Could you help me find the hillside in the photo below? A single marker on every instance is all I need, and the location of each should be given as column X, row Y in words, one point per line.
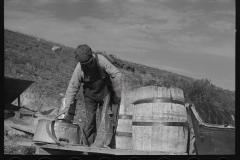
column 31, row 58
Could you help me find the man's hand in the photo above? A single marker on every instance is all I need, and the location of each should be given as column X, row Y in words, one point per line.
column 116, row 99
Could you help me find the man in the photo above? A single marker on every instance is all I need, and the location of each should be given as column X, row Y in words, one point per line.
column 101, row 87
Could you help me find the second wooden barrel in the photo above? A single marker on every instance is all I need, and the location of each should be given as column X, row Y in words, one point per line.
column 124, row 132
column 159, row 120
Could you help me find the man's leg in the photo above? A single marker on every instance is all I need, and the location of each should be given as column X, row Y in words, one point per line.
column 90, row 123
column 114, row 121
column 103, row 127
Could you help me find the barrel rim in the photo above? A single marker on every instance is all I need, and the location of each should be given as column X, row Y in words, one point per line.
column 125, row 116
column 158, row 100
column 123, row 134
column 137, row 123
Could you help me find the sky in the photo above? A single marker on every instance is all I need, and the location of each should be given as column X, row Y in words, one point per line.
column 194, row 38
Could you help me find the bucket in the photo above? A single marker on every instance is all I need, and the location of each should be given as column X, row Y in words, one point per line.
column 159, row 120
column 124, row 132
column 60, row 130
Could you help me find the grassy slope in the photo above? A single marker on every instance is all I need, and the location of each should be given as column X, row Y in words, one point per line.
column 27, row 57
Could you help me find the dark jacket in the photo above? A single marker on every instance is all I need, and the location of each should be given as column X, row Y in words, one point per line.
column 78, row 78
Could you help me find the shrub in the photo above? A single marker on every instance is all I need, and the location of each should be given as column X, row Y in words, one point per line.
column 202, row 91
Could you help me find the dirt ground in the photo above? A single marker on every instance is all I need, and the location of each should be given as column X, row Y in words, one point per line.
column 11, row 137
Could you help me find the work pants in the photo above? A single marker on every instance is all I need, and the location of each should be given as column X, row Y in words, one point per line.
column 97, row 138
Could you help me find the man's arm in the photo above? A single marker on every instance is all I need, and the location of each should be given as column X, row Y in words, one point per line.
column 114, row 73
column 73, row 86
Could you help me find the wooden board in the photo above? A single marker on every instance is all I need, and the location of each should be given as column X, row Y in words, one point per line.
column 47, row 151
column 13, row 88
column 23, row 128
column 48, row 148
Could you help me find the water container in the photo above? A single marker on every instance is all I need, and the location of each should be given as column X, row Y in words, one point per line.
column 59, row 129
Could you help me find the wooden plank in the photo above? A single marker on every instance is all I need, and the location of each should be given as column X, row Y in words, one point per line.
column 42, row 151
column 47, row 151
column 106, row 150
column 19, row 104
column 23, row 128
column 17, row 115
column 8, row 114
column 29, row 144
column 51, row 149
column 9, row 106
column 14, row 87
column 26, row 111
column 37, row 152
column 75, row 148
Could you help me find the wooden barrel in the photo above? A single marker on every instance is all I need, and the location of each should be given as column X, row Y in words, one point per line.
column 124, row 132
column 124, row 129
column 159, row 120
column 123, row 136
